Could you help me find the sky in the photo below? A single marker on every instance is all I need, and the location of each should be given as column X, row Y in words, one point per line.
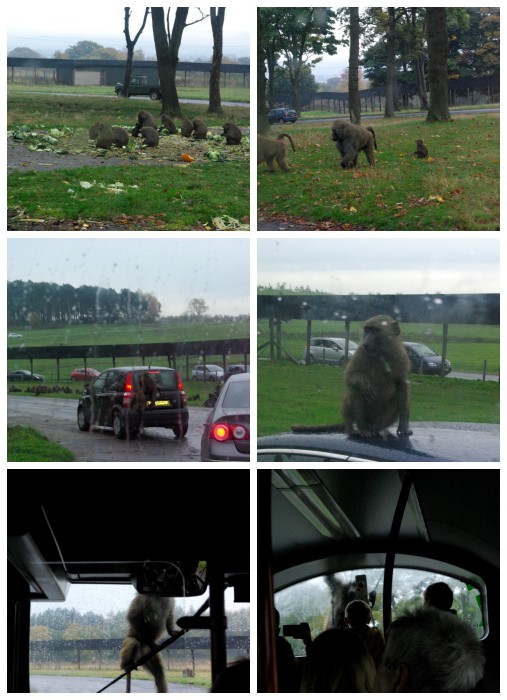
column 51, row 26
column 173, row 270
column 382, row 265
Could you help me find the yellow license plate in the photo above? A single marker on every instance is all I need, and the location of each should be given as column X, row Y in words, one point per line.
column 159, row 403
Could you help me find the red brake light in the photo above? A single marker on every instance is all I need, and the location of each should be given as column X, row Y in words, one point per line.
column 229, row 431
column 129, row 390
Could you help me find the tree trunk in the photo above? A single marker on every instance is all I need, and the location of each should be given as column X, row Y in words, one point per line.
column 354, row 101
column 418, row 62
column 262, row 119
column 131, row 43
column 217, row 27
column 167, row 46
column 438, row 49
column 391, row 65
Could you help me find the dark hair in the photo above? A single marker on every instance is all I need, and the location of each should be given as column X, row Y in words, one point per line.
column 358, row 612
column 439, row 595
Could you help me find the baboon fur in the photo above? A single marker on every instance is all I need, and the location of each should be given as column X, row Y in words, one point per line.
column 104, row 136
column 352, row 138
column 200, row 129
column 93, row 131
column 150, row 136
column 421, row 150
column 376, row 379
column 186, row 127
column 232, row 134
column 168, row 124
column 269, row 149
column 120, row 136
column 144, row 118
column 149, row 616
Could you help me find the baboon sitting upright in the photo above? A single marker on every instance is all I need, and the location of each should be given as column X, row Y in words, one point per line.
column 120, row 136
column 421, row 150
column 144, row 118
column 104, row 136
column 168, row 124
column 149, row 616
column 376, row 379
column 200, row 129
column 269, row 149
column 232, row 134
column 150, row 136
column 352, row 138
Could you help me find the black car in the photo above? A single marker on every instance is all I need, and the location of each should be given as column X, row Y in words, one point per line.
column 23, row 375
column 424, row 360
column 430, row 442
column 127, row 399
column 236, row 369
column 282, row 115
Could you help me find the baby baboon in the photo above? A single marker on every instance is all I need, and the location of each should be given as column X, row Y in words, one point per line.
column 200, row 128
column 186, row 127
column 144, row 118
column 421, row 151
column 168, row 124
column 150, row 136
column 120, row 136
column 232, row 134
column 352, row 138
column 104, row 136
column 269, row 149
column 376, row 379
column 148, row 617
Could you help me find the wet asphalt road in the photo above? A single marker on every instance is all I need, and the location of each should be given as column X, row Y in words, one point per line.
column 56, row 419
column 69, row 684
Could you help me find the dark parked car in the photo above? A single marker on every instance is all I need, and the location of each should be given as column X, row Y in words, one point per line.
column 82, row 374
column 282, row 116
column 430, row 442
column 236, row 369
column 23, row 375
column 226, row 435
column 424, row 360
column 127, row 399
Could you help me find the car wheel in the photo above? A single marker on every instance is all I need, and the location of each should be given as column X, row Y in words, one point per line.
column 118, row 426
column 180, row 430
column 155, row 95
column 82, row 421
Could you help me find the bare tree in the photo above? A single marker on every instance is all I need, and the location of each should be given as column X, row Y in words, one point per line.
column 438, row 50
column 167, row 45
column 217, row 27
column 131, row 43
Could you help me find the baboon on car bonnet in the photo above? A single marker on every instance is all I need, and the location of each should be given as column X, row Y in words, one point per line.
column 376, row 379
column 269, row 149
column 352, row 138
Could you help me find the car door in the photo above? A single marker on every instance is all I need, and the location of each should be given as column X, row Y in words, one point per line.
column 104, row 391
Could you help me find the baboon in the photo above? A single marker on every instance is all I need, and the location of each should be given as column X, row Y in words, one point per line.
column 232, row 134
column 104, row 136
column 150, row 136
column 269, row 149
column 376, row 392
column 199, row 127
column 168, row 124
column 144, row 118
column 186, row 127
column 120, row 136
column 352, row 138
column 421, row 150
column 148, row 617
column 93, row 131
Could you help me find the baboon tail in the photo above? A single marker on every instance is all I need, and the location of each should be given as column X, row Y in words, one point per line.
column 281, row 136
column 130, row 652
column 332, row 428
column 374, row 139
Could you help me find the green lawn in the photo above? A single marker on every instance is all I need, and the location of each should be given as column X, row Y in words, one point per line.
column 28, row 445
column 456, row 188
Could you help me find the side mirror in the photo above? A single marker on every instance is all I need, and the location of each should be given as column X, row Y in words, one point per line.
column 174, row 579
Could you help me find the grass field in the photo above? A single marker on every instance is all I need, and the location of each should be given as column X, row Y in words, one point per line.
column 456, row 188
column 289, row 394
column 193, row 195
column 28, row 445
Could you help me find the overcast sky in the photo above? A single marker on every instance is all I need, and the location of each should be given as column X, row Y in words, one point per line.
column 382, row 265
column 51, row 26
column 174, row 270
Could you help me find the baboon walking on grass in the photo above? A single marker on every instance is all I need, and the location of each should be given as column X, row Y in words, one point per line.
column 376, row 379
column 149, row 616
column 270, row 149
column 352, row 138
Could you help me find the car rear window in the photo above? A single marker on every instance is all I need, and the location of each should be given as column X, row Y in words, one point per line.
column 237, row 395
column 163, row 377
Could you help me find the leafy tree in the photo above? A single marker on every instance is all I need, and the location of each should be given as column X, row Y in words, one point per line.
column 131, row 43
column 81, row 50
column 217, row 27
column 40, row 633
column 23, row 52
column 197, row 307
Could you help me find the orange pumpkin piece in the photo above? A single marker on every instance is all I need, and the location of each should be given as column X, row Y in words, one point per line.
column 186, row 158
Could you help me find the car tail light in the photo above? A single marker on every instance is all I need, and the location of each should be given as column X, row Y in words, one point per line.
column 182, row 391
column 129, row 391
column 229, row 431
